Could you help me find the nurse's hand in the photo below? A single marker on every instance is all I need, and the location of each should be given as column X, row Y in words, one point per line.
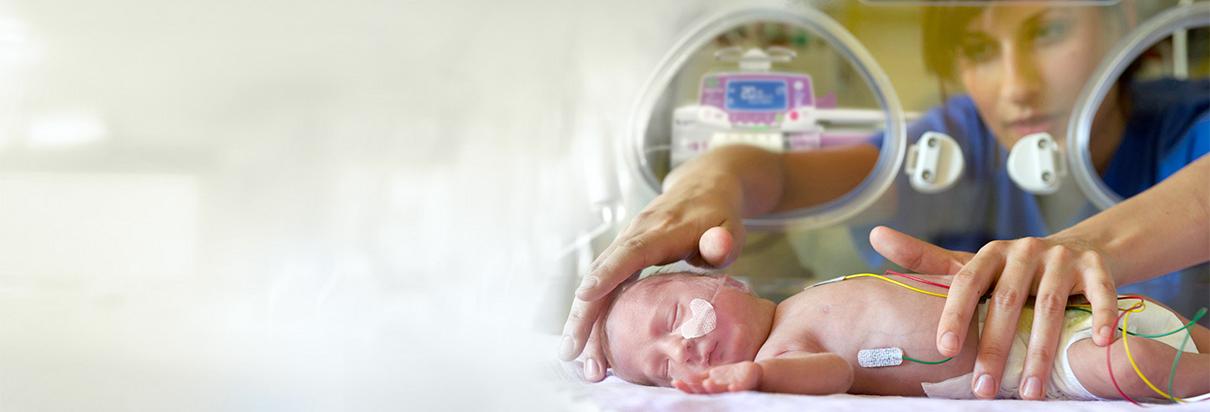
column 696, row 219
column 1048, row 268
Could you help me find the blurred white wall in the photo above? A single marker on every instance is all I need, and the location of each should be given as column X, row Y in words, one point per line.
column 301, row 205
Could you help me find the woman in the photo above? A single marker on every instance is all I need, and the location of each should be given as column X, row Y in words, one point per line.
column 1022, row 68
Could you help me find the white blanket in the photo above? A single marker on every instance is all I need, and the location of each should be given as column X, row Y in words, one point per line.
column 614, row 394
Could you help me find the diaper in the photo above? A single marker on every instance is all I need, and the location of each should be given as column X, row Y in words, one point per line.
column 1063, row 383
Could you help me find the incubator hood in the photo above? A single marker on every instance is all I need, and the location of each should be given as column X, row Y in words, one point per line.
column 707, row 92
column 758, row 103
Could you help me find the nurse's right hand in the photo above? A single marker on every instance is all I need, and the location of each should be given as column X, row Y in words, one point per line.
column 1009, row 272
column 697, row 219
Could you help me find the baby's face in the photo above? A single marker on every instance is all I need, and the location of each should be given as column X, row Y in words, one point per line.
column 644, row 336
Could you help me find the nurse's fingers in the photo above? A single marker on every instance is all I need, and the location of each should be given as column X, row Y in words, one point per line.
column 968, row 286
column 915, row 254
column 595, row 362
column 1000, row 327
column 1102, row 294
column 629, row 254
column 719, row 246
column 580, row 321
column 1050, row 308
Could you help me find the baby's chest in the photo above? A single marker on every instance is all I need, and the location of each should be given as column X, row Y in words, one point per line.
column 801, row 329
column 828, row 324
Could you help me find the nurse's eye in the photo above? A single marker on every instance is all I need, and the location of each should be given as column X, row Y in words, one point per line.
column 667, row 367
column 1051, row 32
column 676, row 316
column 978, row 51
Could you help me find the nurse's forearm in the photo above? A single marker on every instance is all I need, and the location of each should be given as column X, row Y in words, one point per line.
column 818, row 176
column 773, row 182
column 748, row 176
column 1163, row 229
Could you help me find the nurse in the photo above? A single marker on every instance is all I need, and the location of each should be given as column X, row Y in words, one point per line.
column 1021, row 68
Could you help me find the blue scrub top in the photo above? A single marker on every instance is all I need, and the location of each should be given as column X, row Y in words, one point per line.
column 1168, row 127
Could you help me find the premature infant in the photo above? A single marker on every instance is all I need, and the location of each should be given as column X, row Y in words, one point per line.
column 710, row 334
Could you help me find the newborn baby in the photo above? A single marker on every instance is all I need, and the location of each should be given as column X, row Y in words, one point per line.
column 710, row 334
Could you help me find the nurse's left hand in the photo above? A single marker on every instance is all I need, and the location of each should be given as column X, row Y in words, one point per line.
column 1050, row 269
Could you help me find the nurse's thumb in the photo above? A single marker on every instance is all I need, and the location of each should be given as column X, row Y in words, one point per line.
column 719, row 245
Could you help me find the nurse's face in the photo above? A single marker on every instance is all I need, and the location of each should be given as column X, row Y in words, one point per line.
column 1024, row 66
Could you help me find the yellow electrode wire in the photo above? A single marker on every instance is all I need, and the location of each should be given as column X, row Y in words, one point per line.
column 1129, row 357
column 871, row 275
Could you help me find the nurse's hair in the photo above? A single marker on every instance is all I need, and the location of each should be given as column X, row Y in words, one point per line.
column 944, row 27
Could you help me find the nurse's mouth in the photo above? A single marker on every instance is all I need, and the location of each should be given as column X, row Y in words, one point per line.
column 1030, row 125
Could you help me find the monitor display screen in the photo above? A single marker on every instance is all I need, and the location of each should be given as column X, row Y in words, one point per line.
column 756, row 95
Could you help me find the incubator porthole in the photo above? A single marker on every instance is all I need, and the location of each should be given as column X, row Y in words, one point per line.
column 1167, row 53
column 815, row 88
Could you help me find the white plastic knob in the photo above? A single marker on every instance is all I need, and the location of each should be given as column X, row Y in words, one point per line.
column 1036, row 164
column 934, row 163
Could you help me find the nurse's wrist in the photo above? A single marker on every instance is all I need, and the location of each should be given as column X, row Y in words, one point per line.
column 1078, row 239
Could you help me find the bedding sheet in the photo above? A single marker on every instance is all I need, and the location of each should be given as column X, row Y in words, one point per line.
column 614, row 394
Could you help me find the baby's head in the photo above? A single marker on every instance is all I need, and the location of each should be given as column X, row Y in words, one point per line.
column 662, row 327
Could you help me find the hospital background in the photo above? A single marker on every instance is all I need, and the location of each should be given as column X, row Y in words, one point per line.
column 355, row 205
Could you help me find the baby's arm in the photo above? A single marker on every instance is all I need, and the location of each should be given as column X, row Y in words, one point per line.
column 803, row 373
column 806, row 373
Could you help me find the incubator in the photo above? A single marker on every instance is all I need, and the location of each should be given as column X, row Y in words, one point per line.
column 950, row 121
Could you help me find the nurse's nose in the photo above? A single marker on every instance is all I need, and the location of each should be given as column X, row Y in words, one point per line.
column 1021, row 83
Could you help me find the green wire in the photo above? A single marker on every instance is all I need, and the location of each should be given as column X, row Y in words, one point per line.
column 1200, row 313
column 1196, row 317
column 927, row 362
column 1177, row 359
column 1188, row 334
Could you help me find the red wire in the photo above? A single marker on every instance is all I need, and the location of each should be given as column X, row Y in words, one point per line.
column 927, row 282
column 1109, row 357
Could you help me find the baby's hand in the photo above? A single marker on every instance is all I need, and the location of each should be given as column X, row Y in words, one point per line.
column 736, row 377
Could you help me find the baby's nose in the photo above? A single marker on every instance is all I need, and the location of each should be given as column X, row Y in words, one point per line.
column 679, row 349
column 690, row 352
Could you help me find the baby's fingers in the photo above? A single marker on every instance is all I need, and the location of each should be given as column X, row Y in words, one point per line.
column 713, row 386
column 689, row 387
column 683, row 386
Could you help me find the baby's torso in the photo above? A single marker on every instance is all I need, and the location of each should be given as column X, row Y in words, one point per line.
column 865, row 313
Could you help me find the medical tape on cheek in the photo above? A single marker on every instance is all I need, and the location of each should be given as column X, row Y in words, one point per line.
column 702, row 320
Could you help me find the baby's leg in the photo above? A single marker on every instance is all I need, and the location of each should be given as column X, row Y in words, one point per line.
column 1201, row 335
column 1154, row 359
